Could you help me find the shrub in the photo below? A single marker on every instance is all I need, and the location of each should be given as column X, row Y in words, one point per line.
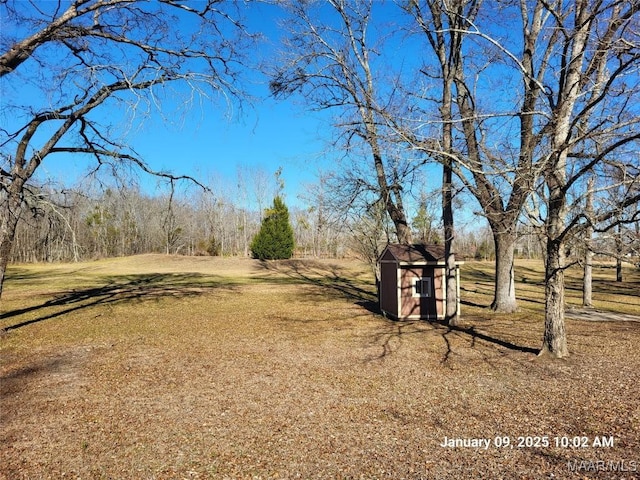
column 275, row 240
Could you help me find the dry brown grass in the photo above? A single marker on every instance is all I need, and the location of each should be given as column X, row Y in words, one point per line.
column 159, row 367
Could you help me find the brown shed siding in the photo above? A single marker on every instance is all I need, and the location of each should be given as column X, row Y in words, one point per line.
column 421, row 307
column 389, row 288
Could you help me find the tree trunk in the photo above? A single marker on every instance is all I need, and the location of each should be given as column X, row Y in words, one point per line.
column 5, row 251
column 395, row 210
column 451, row 307
column 554, row 340
column 9, row 216
column 504, row 299
column 587, row 300
column 403, row 231
column 555, row 336
column 619, row 253
column 452, row 317
column 618, row 269
column 587, row 279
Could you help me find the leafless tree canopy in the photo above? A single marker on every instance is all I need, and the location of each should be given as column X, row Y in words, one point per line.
column 62, row 61
column 330, row 57
column 72, row 58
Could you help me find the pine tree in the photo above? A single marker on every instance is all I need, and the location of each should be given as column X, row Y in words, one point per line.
column 275, row 240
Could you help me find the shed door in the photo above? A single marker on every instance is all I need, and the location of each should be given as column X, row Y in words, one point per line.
column 418, row 292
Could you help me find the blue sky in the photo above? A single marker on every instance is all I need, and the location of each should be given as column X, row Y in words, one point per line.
column 215, row 139
column 204, row 144
column 266, row 135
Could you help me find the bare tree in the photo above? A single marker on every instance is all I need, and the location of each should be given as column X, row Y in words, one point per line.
column 566, row 87
column 624, row 182
column 473, row 60
column 49, row 231
column 444, row 24
column 591, row 122
column 368, row 233
column 83, row 56
column 325, row 217
column 328, row 59
column 424, row 222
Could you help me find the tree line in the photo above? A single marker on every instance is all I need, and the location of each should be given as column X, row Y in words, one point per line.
column 74, row 225
column 89, row 223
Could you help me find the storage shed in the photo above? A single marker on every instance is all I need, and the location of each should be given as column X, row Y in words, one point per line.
column 412, row 282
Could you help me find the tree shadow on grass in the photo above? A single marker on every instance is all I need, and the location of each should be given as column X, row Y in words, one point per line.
column 472, row 274
column 117, row 289
column 337, row 280
column 470, row 303
column 329, row 277
column 480, row 286
column 394, row 332
column 476, row 335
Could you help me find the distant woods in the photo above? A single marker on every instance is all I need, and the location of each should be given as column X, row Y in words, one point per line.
column 90, row 223
column 78, row 225
column 75, row 226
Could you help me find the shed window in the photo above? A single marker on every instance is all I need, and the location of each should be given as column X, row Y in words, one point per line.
column 422, row 287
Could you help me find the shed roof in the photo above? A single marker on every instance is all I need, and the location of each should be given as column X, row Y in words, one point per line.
column 415, row 253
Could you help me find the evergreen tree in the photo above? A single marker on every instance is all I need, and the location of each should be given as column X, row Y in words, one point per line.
column 274, row 241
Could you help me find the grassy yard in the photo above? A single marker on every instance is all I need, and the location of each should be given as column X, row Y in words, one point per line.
column 157, row 367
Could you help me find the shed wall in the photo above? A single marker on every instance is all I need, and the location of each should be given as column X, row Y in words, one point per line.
column 389, row 288
column 421, row 307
